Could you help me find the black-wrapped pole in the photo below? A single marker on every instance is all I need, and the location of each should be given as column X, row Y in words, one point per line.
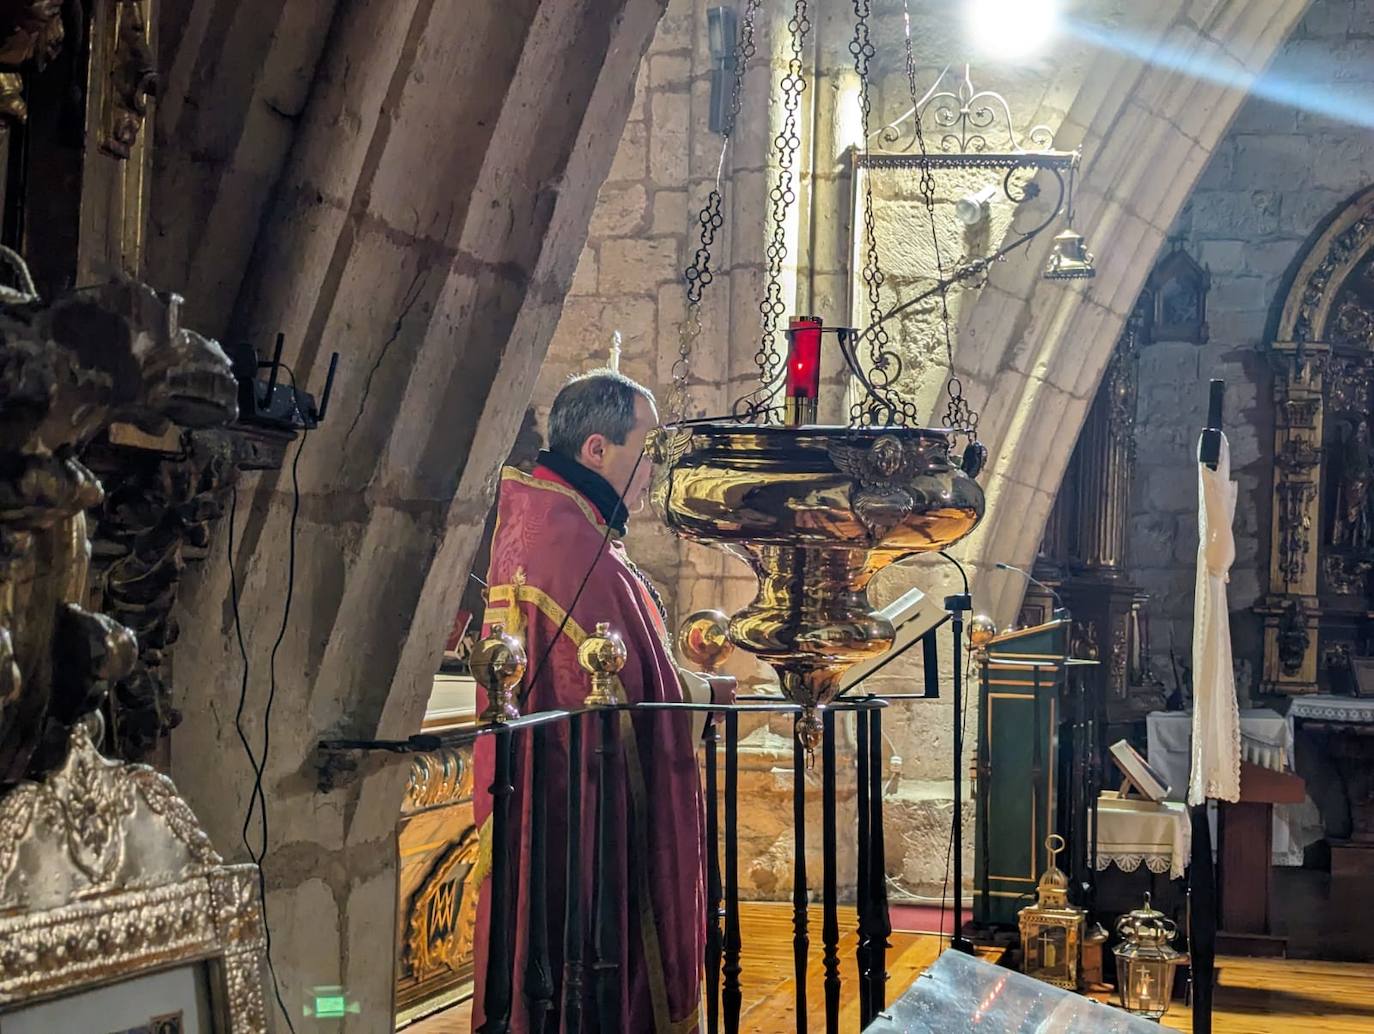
column 1209, row 448
column 930, row 663
column 877, row 864
column 1202, row 879
column 801, row 942
column 574, row 933
column 608, row 884
column 713, row 932
column 957, row 605
column 538, row 989
column 863, row 953
column 1098, row 720
column 1202, row 920
column 500, row 961
column 731, row 996
column 830, row 929
column 981, row 822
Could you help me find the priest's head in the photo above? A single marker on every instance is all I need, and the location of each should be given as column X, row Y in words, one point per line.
column 601, row 419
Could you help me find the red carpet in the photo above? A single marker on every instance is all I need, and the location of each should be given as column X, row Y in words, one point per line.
column 923, row 918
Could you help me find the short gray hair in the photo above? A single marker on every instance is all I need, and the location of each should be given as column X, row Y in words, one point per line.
column 599, row 402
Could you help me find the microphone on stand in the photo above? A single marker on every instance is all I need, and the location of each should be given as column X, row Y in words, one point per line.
column 1060, row 611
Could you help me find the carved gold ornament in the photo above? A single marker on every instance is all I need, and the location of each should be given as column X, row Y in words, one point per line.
column 133, row 78
column 105, row 874
column 443, row 913
column 438, row 777
column 31, row 35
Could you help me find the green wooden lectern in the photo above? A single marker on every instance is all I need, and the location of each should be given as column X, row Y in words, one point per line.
column 1037, row 770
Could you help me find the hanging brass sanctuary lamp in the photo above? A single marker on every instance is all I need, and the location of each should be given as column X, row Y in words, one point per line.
column 817, row 510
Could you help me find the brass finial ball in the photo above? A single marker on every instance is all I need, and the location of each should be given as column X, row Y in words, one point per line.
column 981, row 631
column 498, row 664
column 602, row 653
column 497, row 661
column 601, row 656
column 703, row 639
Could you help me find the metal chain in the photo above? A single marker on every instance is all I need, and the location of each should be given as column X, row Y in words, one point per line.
column 787, row 143
column 699, row 275
column 885, row 366
column 959, row 416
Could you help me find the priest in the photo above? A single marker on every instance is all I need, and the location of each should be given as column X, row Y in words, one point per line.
column 558, row 567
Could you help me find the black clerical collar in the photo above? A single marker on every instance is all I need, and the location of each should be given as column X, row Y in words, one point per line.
column 597, row 489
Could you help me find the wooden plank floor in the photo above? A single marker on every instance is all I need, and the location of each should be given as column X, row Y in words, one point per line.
column 1288, row 996
column 1255, row 996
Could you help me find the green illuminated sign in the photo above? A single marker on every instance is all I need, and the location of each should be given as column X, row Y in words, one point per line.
column 330, row 1006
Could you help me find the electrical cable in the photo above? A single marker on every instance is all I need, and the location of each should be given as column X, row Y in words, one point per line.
column 257, row 799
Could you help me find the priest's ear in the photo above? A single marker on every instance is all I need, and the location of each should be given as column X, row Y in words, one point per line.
column 593, row 453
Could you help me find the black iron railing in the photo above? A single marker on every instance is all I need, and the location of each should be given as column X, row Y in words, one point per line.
column 587, row 993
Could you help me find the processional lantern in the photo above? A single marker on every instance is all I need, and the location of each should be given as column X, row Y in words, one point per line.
column 818, row 510
column 1052, row 929
column 1145, row 962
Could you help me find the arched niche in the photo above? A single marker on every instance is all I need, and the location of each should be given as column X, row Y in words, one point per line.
column 1318, row 610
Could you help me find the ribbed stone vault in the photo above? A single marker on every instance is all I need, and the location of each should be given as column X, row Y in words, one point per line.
column 408, row 182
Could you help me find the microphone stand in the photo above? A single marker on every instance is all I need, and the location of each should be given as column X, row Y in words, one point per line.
column 1061, row 612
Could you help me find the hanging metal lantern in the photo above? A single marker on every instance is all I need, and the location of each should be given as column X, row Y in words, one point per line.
column 818, row 510
column 1145, row 962
column 1052, row 929
column 1070, row 259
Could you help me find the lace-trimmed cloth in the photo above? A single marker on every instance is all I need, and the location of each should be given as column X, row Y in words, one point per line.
column 1130, row 833
column 1215, row 770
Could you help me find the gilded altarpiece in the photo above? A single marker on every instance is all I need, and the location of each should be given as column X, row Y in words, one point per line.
column 112, row 414
column 438, row 846
column 1317, row 613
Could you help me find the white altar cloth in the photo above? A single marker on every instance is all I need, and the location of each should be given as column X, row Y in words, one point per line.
column 1266, row 739
column 1323, row 707
column 1131, row 832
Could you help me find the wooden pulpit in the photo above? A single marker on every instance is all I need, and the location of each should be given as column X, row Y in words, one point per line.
column 1245, row 834
column 1036, row 772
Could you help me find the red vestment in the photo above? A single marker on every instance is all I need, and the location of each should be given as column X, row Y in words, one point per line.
column 547, row 538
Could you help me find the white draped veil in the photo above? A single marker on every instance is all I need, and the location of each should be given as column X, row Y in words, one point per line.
column 1216, row 717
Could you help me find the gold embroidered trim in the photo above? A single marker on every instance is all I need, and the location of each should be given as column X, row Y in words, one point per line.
column 515, row 617
column 481, row 868
column 540, row 485
column 501, row 597
column 692, row 1021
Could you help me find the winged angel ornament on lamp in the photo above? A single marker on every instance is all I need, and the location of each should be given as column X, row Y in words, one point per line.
column 816, row 511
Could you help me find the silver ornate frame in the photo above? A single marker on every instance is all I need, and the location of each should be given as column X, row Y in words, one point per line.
column 105, row 875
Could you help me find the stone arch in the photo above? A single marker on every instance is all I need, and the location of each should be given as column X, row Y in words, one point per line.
column 1322, row 351
column 1035, row 350
column 1325, row 270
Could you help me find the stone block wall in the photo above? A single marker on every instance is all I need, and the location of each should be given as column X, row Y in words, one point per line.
column 630, row 276
column 643, row 234
column 1292, row 157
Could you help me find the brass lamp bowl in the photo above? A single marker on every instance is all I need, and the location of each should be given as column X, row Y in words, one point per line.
column 816, row 512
